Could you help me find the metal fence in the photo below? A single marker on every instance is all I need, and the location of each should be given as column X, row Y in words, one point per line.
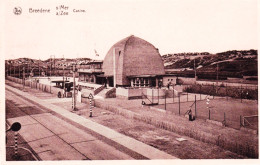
column 203, row 106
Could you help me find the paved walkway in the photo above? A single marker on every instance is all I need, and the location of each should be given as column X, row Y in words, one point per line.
column 130, row 143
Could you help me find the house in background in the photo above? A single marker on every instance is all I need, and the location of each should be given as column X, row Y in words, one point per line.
column 90, row 71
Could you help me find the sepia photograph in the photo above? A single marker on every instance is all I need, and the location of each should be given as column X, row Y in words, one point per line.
column 112, row 81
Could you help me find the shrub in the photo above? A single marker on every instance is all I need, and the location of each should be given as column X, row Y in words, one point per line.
column 223, row 91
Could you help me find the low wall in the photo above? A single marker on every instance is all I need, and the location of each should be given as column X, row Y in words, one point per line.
column 186, row 80
column 178, row 88
column 250, row 77
column 154, row 92
column 136, row 93
column 226, row 84
column 39, row 86
column 129, row 93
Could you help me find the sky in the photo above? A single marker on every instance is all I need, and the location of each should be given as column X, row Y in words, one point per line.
column 172, row 26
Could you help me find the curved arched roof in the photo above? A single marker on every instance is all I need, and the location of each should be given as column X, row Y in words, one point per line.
column 134, row 57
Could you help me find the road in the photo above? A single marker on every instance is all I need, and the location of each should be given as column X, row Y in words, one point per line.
column 53, row 138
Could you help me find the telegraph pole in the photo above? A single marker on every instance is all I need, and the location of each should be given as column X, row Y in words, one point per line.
column 14, row 71
column 54, row 71
column 63, row 82
column 52, row 61
column 39, row 67
column 23, row 76
column 217, row 71
column 74, row 85
column 9, row 66
column 6, row 70
column 29, row 69
column 195, row 69
column 50, row 70
column 217, row 78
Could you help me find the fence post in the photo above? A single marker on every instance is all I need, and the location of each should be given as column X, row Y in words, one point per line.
column 240, row 120
column 224, row 118
column 90, row 107
column 200, row 92
column 142, row 96
column 213, row 90
column 179, row 106
column 173, row 95
column 165, row 101
column 195, row 106
column 226, row 92
column 208, row 106
column 158, row 96
column 241, row 93
column 152, row 95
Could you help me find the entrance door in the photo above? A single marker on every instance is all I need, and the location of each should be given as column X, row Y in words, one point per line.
column 110, row 81
column 153, row 82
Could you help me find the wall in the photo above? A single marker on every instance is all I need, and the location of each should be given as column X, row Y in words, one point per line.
column 154, row 92
column 129, row 93
column 186, row 80
column 177, row 91
column 39, row 86
column 250, row 77
column 226, row 84
column 167, row 79
column 122, row 92
column 135, row 93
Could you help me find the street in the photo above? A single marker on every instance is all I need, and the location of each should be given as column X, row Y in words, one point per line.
column 54, row 139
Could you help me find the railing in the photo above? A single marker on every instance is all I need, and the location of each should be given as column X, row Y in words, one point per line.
column 111, row 93
column 143, row 95
column 99, row 89
column 92, row 70
column 151, row 100
column 249, row 121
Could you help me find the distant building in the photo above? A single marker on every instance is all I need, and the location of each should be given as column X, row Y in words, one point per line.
column 89, row 72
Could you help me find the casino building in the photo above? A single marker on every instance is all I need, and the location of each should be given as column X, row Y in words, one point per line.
column 131, row 62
